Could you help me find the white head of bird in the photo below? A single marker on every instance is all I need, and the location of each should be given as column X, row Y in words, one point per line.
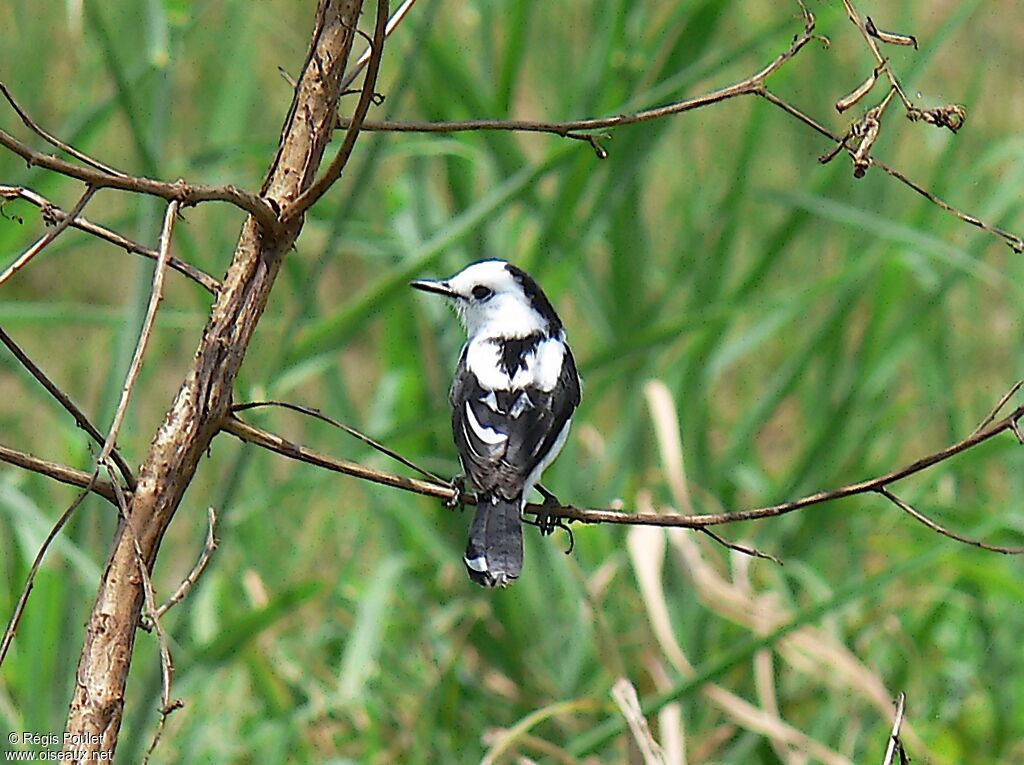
column 496, row 299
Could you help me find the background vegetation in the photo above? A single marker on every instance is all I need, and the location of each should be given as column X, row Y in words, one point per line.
column 812, row 330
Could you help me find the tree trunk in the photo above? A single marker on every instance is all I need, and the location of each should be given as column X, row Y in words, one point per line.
column 204, row 398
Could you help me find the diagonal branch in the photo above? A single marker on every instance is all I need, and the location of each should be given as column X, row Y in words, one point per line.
column 69, row 405
column 939, row 529
column 26, row 257
column 156, row 296
column 311, row 412
column 59, row 472
column 51, row 139
column 52, row 211
column 260, row 437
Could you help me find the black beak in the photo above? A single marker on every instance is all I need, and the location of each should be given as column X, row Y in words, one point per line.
column 439, row 288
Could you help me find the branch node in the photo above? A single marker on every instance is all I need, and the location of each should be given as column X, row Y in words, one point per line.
column 593, row 139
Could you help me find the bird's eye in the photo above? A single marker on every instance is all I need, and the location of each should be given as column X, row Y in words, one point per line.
column 481, row 293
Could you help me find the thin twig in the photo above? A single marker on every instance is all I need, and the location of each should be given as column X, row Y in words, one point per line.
column 396, row 18
column 753, row 552
column 319, row 187
column 260, row 437
column 998, row 407
column 26, row 590
column 894, row 737
column 197, row 571
column 32, row 125
column 25, row 258
column 149, row 598
column 52, row 211
column 155, row 297
column 918, row 515
column 310, row 411
column 69, row 405
column 1016, row 242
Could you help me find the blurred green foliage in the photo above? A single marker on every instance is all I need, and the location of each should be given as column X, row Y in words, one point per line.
column 813, row 330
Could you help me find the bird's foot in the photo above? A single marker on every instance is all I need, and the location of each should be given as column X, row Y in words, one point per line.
column 458, row 484
column 547, row 522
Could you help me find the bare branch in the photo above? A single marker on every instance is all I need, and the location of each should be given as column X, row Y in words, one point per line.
column 364, row 58
column 184, row 193
column 253, row 435
column 753, row 552
column 58, row 472
column 998, row 407
column 52, row 211
column 319, row 187
column 25, row 258
column 1015, row 242
column 1008, row 423
column 203, row 399
column 156, row 296
column 166, row 664
column 752, row 85
column 951, row 116
column 69, row 405
column 449, row 493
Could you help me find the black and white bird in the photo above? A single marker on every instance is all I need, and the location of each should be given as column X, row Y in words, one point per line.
column 512, row 399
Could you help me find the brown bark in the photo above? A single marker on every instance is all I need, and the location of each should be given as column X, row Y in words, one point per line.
column 204, row 398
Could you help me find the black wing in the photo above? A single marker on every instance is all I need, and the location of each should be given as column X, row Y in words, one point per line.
column 502, row 436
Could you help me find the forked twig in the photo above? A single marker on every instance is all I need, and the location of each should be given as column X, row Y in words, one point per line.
column 185, row 193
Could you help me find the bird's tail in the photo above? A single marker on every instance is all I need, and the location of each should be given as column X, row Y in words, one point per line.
column 494, row 553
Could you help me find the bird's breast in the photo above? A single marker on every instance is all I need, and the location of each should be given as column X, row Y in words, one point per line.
column 504, row 364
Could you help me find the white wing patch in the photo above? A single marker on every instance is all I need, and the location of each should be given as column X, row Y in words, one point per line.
column 487, row 435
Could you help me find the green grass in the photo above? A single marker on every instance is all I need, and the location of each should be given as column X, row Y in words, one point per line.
column 812, row 330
